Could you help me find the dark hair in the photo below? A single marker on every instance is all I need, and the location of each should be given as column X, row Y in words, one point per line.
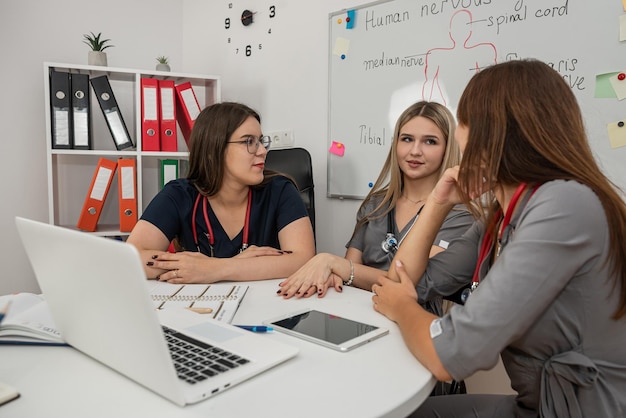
column 209, row 137
column 525, row 125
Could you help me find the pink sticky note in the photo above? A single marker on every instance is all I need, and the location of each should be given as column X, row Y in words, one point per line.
column 337, row 148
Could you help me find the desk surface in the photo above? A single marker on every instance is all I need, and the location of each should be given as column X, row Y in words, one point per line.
column 381, row 378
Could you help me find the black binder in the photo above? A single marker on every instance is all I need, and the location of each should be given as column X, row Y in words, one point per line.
column 60, row 115
column 81, row 111
column 112, row 113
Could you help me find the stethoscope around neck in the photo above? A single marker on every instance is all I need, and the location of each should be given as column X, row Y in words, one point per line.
column 505, row 230
column 209, row 234
column 390, row 244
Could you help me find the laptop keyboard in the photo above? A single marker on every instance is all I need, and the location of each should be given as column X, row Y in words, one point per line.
column 195, row 360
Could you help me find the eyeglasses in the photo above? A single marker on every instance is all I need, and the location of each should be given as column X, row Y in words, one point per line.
column 252, row 143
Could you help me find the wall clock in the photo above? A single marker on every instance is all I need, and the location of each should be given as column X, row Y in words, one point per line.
column 247, row 27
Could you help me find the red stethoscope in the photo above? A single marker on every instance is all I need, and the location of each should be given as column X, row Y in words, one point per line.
column 486, row 245
column 209, row 233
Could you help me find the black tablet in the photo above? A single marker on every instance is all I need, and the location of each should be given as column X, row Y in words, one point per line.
column 329, row 330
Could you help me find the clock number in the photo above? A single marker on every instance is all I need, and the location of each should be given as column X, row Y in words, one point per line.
column 230, row 5
column 228, row 41
column 272, row 11
column 260, row 46
column 248, row 50
column 269, row 31
column 227, row 23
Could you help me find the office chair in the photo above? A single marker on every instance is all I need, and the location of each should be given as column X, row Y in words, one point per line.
column 296, row 162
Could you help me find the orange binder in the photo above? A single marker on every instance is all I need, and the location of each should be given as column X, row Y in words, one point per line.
column 100, row 183
column 167, row 116
column 150, row 115
column 187, row 108
column 127, row 192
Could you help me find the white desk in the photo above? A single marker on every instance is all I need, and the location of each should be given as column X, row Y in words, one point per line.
column 381, row 378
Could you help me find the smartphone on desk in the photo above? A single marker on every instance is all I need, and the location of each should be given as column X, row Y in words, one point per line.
column 329, row 330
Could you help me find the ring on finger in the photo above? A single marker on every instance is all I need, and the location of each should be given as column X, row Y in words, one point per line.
column 175, row 273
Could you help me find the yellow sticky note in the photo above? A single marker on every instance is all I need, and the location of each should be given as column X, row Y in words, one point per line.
column 622, row 28
column 341, row 46
column 624, row 4
column 618, row 82
column 617, row 134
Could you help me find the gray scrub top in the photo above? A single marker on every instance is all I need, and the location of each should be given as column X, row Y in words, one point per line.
column 368, row 239
column 545, row 306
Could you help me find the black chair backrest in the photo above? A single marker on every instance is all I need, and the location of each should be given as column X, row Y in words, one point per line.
column 296, row 162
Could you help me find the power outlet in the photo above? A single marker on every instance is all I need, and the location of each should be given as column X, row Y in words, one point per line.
column 282, row 139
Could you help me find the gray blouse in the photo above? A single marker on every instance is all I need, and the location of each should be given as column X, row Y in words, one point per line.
column 545, row 306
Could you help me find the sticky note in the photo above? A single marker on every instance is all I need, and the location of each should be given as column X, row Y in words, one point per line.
column 350, row 19
column 604, row 90
column 619, row 85
column 341, row 46
column 337, row 148
column 617, row 134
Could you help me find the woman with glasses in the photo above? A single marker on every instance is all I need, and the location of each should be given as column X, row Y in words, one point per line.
column 423, row 148
column 230, row 218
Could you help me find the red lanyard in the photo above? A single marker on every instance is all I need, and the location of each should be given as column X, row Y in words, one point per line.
column 209, row 234
column 485, row 246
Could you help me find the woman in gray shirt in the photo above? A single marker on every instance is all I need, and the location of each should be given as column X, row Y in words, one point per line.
column 423, row 148
column 547, row 261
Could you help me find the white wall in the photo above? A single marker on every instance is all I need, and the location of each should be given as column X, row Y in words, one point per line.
column 32, row 32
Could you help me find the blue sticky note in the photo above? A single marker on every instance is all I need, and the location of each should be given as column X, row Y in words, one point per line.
column 350, row 19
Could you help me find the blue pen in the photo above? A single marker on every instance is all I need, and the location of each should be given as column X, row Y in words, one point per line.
column 256, row 328
column 5, row 310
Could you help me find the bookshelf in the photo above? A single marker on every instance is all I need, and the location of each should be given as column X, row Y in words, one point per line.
column 69, row 171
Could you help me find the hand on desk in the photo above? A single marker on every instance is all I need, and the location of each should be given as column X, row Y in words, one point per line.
column 316, row 276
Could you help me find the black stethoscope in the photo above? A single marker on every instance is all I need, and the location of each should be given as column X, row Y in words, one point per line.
column 209, row 233
column 505, row 230
column 390, row 244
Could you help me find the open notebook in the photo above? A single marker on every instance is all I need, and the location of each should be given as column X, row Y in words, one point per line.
column 219, row 301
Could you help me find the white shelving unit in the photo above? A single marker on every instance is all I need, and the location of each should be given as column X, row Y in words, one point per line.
column 70, row 171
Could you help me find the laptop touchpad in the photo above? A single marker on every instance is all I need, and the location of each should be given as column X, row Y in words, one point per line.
column 214, row 332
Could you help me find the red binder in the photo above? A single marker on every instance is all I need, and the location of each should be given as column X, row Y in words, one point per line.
column 187, row 109
column 127, row 192
column 150, row 115
column 167, row 116
column 100, row 184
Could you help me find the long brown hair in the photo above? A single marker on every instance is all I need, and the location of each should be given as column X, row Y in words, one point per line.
column 525, row 125
column 390, row 182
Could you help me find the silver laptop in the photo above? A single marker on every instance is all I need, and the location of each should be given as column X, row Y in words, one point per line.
column 99, row 299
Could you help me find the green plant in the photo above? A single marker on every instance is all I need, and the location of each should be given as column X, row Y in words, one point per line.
column 162, row 59
column 95, row 43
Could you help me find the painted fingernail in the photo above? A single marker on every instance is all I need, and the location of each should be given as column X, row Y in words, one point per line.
column 340, row 289
column 149, row 263
column 154, row 257
column 278, row 292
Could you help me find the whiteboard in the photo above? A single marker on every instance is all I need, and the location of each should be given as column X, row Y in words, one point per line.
column 393, row 53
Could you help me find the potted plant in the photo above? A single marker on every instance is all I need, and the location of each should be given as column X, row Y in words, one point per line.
column 163, row 63
column 97, row 56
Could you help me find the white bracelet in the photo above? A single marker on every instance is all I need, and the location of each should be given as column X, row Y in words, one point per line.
column 351, row 278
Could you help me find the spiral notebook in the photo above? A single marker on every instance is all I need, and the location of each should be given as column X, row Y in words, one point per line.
column 219, row 301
